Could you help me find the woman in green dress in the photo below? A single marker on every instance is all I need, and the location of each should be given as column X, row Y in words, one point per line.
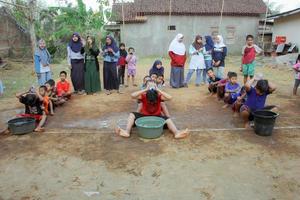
column 92, row 75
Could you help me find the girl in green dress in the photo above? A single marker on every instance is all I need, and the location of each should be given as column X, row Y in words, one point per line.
column 92, row 75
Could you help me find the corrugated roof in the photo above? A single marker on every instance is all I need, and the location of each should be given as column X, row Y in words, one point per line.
column 132, row 11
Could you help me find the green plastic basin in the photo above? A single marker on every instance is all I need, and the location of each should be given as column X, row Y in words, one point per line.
column 150, row 127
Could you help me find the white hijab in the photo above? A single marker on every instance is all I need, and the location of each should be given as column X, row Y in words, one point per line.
column 176, row 46
column 221, row 44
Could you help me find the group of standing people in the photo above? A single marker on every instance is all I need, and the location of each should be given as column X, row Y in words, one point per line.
column 203, row 57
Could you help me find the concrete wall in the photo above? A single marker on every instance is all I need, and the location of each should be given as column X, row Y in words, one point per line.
column 288, row 26
column 153, row 38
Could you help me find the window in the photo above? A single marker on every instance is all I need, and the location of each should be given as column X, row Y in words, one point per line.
column 230, row 34
column 172, row 28
column 214, row 31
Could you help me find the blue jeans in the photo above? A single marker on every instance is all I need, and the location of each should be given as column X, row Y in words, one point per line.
column 43, row 77
column 200, row 75
column 219, row 72
column 208, row 64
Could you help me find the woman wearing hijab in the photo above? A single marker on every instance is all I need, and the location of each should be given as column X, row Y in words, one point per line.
column 91, row 75
column 219, row 53
column 177, row 53
column 157, row 69
column 76, row 62
column 111, row 56
column 209, row 45
column 197, row 62
column 42, row 60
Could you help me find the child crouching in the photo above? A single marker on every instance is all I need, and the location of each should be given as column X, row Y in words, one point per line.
column 232, row 90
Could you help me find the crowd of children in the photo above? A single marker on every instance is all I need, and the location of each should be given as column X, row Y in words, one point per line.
column 209, row 58
column 41, row 103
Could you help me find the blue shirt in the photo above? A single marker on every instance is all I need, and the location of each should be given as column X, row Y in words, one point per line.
column 255, row 101
column 111, row 57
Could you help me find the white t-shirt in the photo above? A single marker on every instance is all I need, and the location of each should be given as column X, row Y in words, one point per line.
column 44, row 69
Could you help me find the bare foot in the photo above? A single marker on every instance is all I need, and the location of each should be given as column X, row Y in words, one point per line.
column 247, row 125
column 122, row 133
column 182, row 134
column 39, row 130
column 225, row 106
column 236, row 114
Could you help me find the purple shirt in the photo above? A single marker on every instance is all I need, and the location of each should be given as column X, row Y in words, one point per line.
column 255, row 101
column 232, row 88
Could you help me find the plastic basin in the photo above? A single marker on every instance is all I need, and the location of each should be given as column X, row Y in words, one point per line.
column 21, row 125
column 264, row 122
column 150, row 127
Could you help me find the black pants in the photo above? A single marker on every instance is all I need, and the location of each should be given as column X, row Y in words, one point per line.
column 121, row 74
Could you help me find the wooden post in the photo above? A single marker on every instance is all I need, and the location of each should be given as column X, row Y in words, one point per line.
column 31, row 16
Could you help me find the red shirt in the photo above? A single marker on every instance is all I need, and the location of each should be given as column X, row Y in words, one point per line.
column 177, row 60
column 62, row 87
column 149, row 109
column 249, row 55
column 122, row 61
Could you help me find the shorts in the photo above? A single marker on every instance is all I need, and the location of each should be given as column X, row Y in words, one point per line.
column 233, row 98
column 139, row 115
column 246, row 108
column 131, row 72
column 249, row 69
column 297, row 83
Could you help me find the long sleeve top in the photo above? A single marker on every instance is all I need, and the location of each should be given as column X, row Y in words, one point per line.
column 74, row 56
column 197, row 58
column 177, row 60
column 111, row 56
column 219, row 54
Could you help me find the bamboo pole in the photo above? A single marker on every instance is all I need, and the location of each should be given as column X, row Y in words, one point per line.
column 264, row 28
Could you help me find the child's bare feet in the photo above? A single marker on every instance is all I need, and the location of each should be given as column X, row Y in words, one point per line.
column 122, row 132
column 236, row 114
column 247, row 125
column 39, row 130
column 225, row 106
column 182, row 134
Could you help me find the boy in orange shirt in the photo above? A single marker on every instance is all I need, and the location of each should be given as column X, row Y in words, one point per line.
column 63, row 87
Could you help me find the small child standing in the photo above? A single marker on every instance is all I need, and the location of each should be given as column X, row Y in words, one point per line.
column 131, row 60
column 232, row 90
column 51, row 93
column 248, row 60
column 122, row 64
column 297, row 75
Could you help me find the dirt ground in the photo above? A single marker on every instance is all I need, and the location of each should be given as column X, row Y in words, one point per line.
column 79, row 152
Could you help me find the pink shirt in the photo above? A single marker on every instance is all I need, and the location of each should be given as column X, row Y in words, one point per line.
column 131, row 61
column 296, row 68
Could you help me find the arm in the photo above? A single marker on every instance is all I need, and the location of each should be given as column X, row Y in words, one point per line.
column 164, row 96
column 18, row 95
column 258, row 49
column 171, row 54
column 137, row 95
column 95, row 52
column 69, row 55
column 37, row 63
column 248, row 85
column 272, row 87
column 192, row 51
column 224, row 53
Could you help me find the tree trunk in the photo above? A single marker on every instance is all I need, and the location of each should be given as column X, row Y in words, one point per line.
column 32, row 9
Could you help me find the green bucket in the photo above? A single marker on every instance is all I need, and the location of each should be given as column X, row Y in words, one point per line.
column 150, row 127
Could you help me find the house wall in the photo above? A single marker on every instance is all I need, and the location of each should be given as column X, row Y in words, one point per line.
column 288, row 26
column 13, row 42
column 153, row 38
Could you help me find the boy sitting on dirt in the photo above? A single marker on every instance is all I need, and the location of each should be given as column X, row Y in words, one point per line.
column 213, row 81
column 232, row 90
column 151, row 99
column 63, row 87
column 256, row 98
column 33, row 102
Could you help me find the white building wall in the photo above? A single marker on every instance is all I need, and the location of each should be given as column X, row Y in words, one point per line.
column 153, row 38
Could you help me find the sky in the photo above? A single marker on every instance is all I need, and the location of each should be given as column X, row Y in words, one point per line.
column 292, row 4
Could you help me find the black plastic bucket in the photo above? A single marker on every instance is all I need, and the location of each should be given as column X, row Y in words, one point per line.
column 264, row 122
column 21, row 125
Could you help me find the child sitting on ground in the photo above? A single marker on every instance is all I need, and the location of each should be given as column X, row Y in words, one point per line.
column 63, row 87
column 34, row 108
column 51, row 93
column 145, row 81
column 154, row 77
column 297, row 75
column 160, row 82
column 131, row 60
column 256, row 98
column 232, row 90
column 248, row 60
column 221, row 87
column 213, row 82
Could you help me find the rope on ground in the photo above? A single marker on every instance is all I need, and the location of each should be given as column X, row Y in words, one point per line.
column 239, row 129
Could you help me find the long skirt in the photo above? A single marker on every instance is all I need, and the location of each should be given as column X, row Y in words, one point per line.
column 110, row 76
column 177, row 77
column 91, row 77
column 77, row 74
